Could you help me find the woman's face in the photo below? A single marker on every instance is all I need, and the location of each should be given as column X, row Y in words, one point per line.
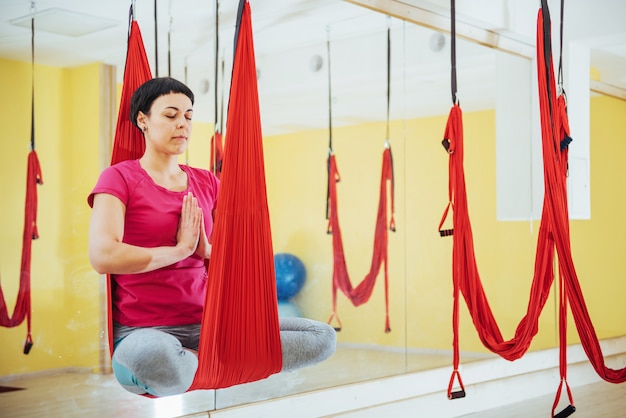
column 168, row 124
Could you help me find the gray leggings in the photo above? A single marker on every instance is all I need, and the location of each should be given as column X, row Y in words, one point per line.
column 155, row 360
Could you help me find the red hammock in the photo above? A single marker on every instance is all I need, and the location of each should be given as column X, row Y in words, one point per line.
column 217, row 154
column 553, row 234
column 341, row 280
column 240, row 335
column 22, row 308
column 129, row 143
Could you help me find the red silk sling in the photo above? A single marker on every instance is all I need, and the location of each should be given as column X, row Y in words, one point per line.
column 217, row 154
column 341, row 280
column 240, row 335
column 553, row 127
column 129, row 142
column 384, row 219
column 553, row 234
column 22, row 309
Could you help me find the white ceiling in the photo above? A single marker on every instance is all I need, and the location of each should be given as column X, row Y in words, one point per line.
column 288, row 34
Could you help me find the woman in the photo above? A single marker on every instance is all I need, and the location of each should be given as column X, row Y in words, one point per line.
column 149, row 230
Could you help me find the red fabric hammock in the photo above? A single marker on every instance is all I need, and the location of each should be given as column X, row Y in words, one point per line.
column 129, row 143
column 240, row 335
column 22, row 308
column 553, row 234
column 341, row 279
column 217, row 154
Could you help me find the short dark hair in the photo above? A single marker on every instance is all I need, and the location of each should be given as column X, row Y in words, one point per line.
column 152, row 89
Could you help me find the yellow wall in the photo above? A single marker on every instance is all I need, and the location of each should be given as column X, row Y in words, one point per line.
column 65, row 290
column 65, row 302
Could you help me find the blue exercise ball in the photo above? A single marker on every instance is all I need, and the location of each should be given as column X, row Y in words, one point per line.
column 288, row 309
column 290, row 275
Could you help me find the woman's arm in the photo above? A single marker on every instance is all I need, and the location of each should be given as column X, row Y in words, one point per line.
column 108, row 254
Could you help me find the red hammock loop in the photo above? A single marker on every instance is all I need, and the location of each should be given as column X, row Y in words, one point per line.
column 22, row 309
column 129, row 142
column 240, row 335
column 341, row 281
column 554, row 234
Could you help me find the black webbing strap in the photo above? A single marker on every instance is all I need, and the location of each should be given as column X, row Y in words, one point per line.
column 169, row 44
column 547, row 47
column 330, row 123
column 238, row 24
column 453, row 51
column 217, row 49
column 32, row 92
column 388, row 73
column 560, row 75
column 156, row 41
column 387, row 142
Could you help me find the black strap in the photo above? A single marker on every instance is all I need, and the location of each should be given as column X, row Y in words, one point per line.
column 453, row 51
column 388, row 71
column 547, row 45
column 238, row 24
column 169, row 47
column 156, row 41
column 32, row 97
column 217, row 49
column 330, row 124
column 222, row 103
column 560, row 75
column 330, row 97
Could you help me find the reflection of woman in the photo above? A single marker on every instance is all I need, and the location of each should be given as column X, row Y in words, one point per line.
column 149, row 229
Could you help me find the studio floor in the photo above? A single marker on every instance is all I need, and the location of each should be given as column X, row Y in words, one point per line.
column 82, row 394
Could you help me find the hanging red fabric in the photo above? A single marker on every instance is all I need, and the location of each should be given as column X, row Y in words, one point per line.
column 129, row 143
column 217, row 154
column 240, row 335
column 555, row 173
column 553, row 234
column 22, row 308
column 341, row 280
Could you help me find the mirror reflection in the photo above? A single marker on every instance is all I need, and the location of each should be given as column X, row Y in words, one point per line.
column 357, row 183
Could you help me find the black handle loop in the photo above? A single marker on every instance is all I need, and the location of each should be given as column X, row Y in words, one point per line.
column 569, row 410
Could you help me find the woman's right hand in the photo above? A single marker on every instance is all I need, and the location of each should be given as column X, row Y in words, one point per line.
column 188, row 232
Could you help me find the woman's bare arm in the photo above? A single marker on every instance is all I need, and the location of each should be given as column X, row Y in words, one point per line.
column 108, row 254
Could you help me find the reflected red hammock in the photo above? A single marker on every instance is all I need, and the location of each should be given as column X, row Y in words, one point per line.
column 22, row 308
column 240, row 335
column 341, row 280
column 129, row 143
column 217, row 154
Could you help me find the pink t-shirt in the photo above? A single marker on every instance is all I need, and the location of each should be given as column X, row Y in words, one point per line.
column 172, row 295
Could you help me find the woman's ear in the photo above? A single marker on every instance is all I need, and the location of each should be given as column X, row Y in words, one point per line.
column 141, row 118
